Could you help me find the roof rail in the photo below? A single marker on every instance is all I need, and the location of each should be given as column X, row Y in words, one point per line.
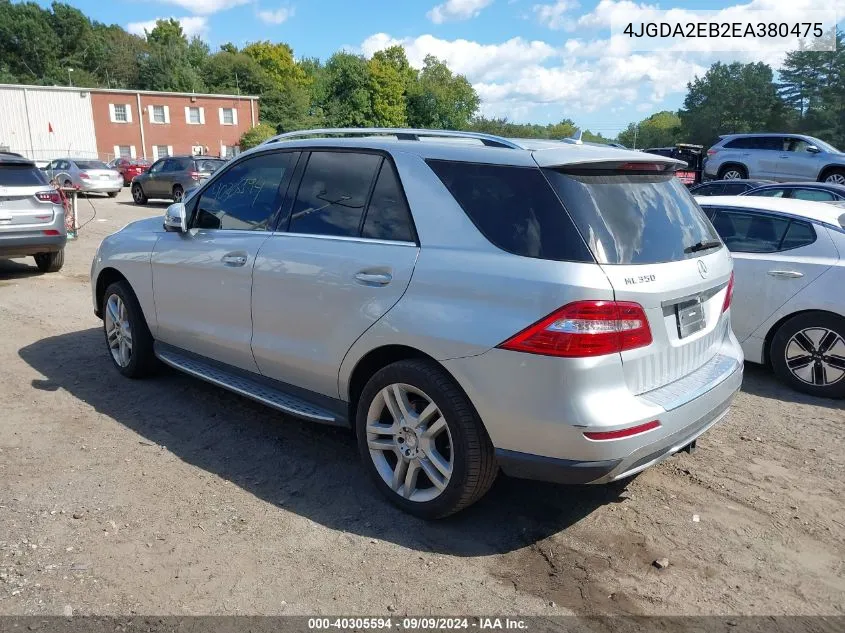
column 403, row 134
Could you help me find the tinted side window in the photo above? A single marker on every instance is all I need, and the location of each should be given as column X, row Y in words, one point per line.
column 750, row 232
column 388, row 217
column 771, row 193
column 734, row 188
column 739, row 143
column 708, row 190
column 799, row 234
column 333, row 193
column 514, row 208
column 247, row 195
column 813, row 194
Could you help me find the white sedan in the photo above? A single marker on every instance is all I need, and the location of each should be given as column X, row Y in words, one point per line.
column 788, row 309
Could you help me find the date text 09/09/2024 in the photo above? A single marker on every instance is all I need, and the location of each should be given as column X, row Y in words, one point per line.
column 417, row 623
column 724, row 29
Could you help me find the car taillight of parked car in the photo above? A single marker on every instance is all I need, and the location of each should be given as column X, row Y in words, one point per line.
column 195, row 175
column 84, row 175
column 712, row 152
column 52, row 197
column 729, row 295
column 585, row 328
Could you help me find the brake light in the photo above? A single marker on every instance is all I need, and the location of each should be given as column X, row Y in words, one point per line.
column 711, row 151
column 585, row 328
column 730, row 294
column 51, row 232
column 49, row 196
column 84, row 175
column 195, row 175
column 615, row 435
column 642, row 167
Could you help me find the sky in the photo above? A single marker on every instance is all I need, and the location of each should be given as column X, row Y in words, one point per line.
column 529, row 60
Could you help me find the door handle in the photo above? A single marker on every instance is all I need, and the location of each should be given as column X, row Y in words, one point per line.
column 233, row 259
column 373, row 279
column 786, row 274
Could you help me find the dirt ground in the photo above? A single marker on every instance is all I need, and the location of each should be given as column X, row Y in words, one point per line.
column 170, row 496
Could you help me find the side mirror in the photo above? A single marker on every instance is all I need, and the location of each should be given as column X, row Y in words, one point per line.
column 175, row 218
column 813, row 149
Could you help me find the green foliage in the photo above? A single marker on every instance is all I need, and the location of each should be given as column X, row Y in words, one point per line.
column 662, row 129
column 167, row 65
column 347, row 101
column 439, row 99
column 256, row 135
column 390, row 78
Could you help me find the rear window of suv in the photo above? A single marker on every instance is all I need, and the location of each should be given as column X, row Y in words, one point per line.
column 633, row 218
column 21, row 176
column 514, row 208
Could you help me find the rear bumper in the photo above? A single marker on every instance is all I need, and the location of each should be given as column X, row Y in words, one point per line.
column 105, row 187
column 536, row 416
column 26, row 244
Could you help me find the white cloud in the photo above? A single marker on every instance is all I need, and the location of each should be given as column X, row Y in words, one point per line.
column 556, row 15
column 453, row 10
column 191, row 25
column 206, row 7
column 280, row 15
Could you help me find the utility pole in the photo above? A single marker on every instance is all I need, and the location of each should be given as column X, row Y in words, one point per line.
column 636, row 130
column 69, row 81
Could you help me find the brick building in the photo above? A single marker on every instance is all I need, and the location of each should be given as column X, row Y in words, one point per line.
column 45, row 122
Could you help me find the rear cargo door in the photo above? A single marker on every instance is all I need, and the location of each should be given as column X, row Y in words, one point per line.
column 659, row 250
column 19, row 206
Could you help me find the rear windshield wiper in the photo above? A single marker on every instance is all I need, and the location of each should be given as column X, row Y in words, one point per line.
column 703, row 246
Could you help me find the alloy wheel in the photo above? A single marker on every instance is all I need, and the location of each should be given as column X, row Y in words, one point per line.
column 137, row 195
column 836, row 178
column 732, row 174
column 118, row 331
column 410, row 442
column 816, row 356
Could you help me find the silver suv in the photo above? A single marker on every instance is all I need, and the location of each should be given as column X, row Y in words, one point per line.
column 781, row 157
column 465, row 303
column 32, row 216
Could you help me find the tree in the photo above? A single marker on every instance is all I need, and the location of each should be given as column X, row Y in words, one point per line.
column 732, row 98
column 167, row 64
column 256, row 135
column 658, row 130
column 347, row 101
column 29, row 47
column 390, row 77
column 278, row 62
column 441, row 99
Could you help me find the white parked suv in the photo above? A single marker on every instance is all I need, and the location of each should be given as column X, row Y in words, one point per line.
column 557, row 311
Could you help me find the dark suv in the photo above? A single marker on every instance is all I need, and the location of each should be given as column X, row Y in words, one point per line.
column 173, row 176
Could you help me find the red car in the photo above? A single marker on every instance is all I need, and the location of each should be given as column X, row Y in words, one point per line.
column 129, row 168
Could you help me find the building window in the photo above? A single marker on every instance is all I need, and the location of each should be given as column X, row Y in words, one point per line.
column 159, row 114
column 228, row 151
column 120, row 113
column 194, row 115
column 160, row 151
column 125, row 151
column 228, row 116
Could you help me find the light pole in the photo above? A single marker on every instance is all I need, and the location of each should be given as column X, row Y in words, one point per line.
column 69, row 81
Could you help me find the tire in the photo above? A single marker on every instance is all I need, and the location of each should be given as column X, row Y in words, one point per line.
column 121, row 305
column 67, row 184
column 808, row 353
column 113, row 194
column 835, row 176
column 733, row 172
column 460, row 445
column 178, row 193
column 50, row 262
column 138, row 194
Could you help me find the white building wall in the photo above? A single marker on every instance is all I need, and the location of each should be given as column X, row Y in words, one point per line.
column 26, row 114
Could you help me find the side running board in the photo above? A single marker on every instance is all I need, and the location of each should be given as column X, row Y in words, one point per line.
column 244, row 386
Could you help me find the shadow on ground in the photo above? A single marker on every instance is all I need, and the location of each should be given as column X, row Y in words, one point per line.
column 308, row 469
column 19, row 268
column 760, row 381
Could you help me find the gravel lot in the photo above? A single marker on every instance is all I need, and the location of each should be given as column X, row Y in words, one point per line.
column 169, row 496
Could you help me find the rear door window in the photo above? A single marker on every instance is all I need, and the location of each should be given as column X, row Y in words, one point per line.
column 749, row 232
column 21, row 176
column 735, row 188
column 333, row 193
column 514, row 208
column 709, row 190
column 388, row 217
column 771, row 193
column 819, row 195
column 633, row 218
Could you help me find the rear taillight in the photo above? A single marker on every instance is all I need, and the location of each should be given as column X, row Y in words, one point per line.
column 711, row 152
column 195, row 175
column 620, row 433
column 51, row 232
column 585, row 328
column 84, row 175
column 730, row 294
column 49, row 196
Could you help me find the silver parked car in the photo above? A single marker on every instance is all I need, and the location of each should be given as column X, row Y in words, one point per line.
column 789, row 305
column 173, row 177
column 778, row 157
column 87, row 175
column 32, row 217
column 557, row 311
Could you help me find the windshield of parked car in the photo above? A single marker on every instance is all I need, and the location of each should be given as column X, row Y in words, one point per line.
column 91, row 164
